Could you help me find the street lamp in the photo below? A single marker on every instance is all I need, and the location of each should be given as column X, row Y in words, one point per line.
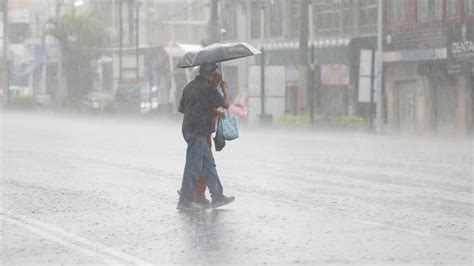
column 137, row 33
column 265, row 119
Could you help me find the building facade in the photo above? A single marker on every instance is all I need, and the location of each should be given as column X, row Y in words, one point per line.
column 428, row 56
column 32, row 54
column 341, row 28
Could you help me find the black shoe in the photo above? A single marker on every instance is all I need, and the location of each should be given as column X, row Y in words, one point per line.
column 192, row 206
column 205, row 203
column 221, row 201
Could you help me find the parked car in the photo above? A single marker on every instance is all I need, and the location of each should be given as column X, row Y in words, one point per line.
column 149, row 101
column 133, row 97
column 98, row 102
column 20, row 91
column 22, row 97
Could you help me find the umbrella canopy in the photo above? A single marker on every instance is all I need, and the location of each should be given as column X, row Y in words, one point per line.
column 217, row 52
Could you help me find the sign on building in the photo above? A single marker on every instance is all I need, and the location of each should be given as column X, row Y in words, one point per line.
column 460, row 46
column 365, row 76
column 335, row 75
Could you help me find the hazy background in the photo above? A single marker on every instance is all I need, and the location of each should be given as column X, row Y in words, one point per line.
column 361, row 152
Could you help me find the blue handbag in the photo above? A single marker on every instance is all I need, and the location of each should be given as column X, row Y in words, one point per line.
column 227, row 127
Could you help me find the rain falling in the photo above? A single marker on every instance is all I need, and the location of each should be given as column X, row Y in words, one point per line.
column 154, row 132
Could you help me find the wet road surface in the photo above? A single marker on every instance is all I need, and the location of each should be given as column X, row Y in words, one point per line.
column 103, row 191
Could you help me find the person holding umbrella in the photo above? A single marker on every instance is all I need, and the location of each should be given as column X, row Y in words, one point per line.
column 200, row 196
column 198, row 102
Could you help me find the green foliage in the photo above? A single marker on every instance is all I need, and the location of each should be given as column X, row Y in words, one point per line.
column 339, row 122
column 347, row 122
column 69, row 103
column 81, row 38
column 23, row 102
column 298, row 121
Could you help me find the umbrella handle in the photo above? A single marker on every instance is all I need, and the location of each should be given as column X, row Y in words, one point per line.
column 222, row 73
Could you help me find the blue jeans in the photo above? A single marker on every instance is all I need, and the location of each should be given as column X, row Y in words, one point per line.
column 199, row 160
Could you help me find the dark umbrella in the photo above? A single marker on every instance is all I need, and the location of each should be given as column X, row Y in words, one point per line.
column 217, row 52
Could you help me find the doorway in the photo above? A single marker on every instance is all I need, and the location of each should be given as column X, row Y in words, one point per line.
column 406, row 106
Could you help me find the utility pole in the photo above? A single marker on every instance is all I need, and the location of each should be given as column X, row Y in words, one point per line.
column 311, row 63
column 120, row 39
column 137, row 24
column 372, row 81
column 262, row 65
column 130, row 22
column 213, row 28
column 265, row 119
column 44, row 73
column 61, row 91
column 303, row 51
column 379, row 92
column 5, row 50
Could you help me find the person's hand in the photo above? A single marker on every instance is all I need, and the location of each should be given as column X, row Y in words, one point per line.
column 220, row 113
column 223, row 85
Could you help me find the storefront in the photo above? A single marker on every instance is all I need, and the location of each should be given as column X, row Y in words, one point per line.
column 460, row 67
column 423, row 95
column 336, row 80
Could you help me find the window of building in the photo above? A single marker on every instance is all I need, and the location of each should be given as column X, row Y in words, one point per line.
column 255, row 22
column 469, row 7
column 275, row 18
column 453, row 8
column 368, row 16
column 272, row 15
column 229, row 21
column 398, row 11
column 327, row 14
column 348, row 16
column 198, row 11
column 293, row 12
column 429, row 10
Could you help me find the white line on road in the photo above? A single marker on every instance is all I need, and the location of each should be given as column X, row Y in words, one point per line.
column 47, row 231
column 63, row 242
column 393, row 227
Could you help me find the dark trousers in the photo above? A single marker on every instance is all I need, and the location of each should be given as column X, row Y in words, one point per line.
column 199, row 161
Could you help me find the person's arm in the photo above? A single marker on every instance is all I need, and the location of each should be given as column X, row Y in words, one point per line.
column 225, row 91
column 181, row 104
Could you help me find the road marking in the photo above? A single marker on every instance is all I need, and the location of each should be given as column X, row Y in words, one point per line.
column 63, row 242
column 71, row 240
column 394, row 227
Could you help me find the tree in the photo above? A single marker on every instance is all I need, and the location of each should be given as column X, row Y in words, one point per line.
column 81, row 38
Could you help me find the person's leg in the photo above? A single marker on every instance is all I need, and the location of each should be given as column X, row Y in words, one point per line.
column 201, row 188
column 210, row 174
column 192, row 168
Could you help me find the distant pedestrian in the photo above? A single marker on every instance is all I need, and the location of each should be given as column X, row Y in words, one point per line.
column 198, row 102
